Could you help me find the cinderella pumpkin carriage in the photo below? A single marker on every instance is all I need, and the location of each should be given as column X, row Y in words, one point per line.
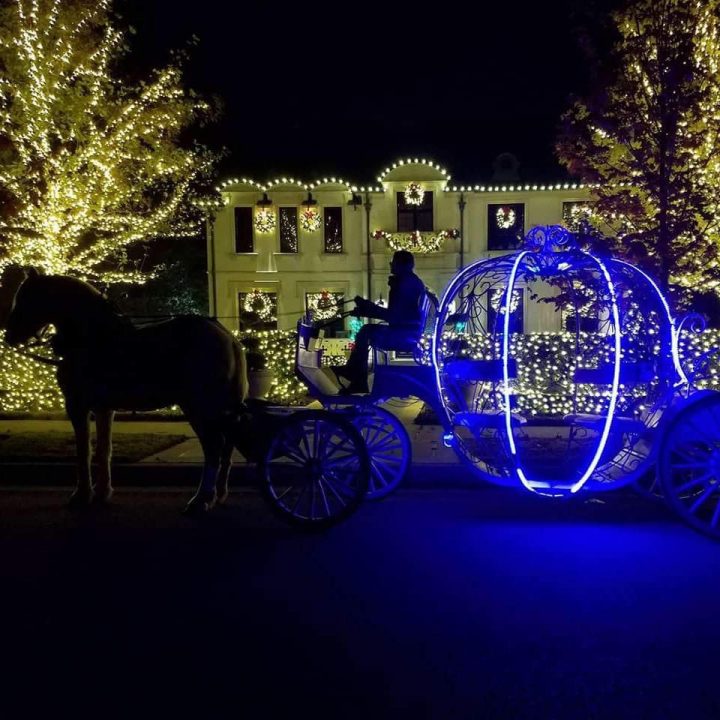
column 607, row 403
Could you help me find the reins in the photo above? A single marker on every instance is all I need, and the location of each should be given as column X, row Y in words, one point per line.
column 38, row 358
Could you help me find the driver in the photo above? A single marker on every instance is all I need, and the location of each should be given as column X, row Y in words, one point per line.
column 403, row 316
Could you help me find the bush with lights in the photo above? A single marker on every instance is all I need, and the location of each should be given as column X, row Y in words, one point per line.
column 546, row 362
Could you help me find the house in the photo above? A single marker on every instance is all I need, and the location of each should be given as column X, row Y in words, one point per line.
column 279, row 247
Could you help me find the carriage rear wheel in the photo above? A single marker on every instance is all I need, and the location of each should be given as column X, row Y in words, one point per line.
column 389, row 448
column 689, row 464
column 315, row 471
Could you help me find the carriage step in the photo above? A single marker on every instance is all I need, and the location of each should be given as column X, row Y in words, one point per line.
column 493, row 421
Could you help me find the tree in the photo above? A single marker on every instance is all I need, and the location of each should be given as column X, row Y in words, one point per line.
column 90, row 164
column 649, row 137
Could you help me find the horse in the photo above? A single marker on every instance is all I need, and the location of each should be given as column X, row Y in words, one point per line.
column 106, row 363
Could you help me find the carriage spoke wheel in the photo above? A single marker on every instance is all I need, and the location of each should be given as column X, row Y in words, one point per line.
column 389, row 448
column 689, row 464
column 316, row 469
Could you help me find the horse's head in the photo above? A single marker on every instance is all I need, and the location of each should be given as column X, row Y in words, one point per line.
column 30, row 312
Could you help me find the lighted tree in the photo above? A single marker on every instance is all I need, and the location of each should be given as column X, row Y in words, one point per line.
column 89, row 163
column 650, row 138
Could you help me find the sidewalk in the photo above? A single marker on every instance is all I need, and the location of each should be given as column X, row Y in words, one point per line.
column 427, row 445
column 179, row 465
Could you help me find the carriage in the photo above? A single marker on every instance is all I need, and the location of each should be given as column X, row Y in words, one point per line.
column 607, row 403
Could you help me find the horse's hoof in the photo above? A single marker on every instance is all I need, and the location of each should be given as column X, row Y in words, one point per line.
column 81, row 499
column 103, row 495
column 222, row 496
column 200, row 504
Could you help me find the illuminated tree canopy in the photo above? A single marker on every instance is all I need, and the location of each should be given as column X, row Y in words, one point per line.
column 89, row 163
column 650, row 138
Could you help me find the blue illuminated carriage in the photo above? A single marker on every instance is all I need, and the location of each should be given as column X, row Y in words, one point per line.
column 594, row 408
column 603, row 404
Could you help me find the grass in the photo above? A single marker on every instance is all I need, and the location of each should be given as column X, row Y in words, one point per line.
column 60, row 446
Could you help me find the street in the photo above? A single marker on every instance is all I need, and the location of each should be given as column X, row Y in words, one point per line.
column 438, row 604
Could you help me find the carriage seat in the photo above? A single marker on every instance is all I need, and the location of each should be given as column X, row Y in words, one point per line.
column 620, row 423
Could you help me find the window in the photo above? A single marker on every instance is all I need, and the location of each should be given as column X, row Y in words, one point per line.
column 333, row 230
column 495, row 301
column 326, row 308
column 580, row 308
column 244, row 230
column 257, row 310
column 415, row 217
column 506, row 226
column 288, row 230
column 576, row 215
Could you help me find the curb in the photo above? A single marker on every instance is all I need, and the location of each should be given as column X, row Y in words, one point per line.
column 15, row 475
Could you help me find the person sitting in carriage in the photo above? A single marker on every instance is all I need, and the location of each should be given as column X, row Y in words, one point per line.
column 403, row 318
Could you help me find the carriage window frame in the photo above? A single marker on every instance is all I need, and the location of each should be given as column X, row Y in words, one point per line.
column 499, row 238
column 243, row 233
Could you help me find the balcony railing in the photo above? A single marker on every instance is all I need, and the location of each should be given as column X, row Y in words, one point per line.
column 419, row 243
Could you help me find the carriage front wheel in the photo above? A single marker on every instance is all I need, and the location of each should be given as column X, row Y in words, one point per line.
column 316, row 469
column 689, row 464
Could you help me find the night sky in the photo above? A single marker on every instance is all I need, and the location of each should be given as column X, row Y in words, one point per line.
column 347, row 88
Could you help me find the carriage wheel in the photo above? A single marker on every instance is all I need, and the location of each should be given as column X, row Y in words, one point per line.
column 389, row 448
column 689, row 464
column 316, row 469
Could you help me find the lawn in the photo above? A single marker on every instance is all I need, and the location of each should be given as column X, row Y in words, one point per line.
column 60, row 446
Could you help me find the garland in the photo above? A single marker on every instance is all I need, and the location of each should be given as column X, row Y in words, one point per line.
column 310, row 220
column 260, row 303
column 265, row 221
column 414, row 194
column 417, row 242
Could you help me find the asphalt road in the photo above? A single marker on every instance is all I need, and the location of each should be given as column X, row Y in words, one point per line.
column 430, row 604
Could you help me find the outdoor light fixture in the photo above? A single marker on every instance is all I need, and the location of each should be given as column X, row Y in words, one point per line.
column 355, row 201
column 309, row 201
column 265, row 201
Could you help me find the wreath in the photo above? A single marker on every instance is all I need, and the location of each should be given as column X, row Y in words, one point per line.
column 265, row 221
column 505, row 217
column 310, row 220
column 414, row 194
column 324, row 305
column 260, row 303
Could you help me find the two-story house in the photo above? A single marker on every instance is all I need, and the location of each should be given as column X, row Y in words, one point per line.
column 280, row 247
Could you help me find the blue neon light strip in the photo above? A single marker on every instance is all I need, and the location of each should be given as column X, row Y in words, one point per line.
column 671, row 322
column 534, row 485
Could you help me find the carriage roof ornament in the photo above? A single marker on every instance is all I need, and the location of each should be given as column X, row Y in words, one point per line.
column 550, row 239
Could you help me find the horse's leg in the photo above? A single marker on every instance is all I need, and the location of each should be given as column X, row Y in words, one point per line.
column 225, row 465
column 80, row 418
column 212, row 441
column 103, row 426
